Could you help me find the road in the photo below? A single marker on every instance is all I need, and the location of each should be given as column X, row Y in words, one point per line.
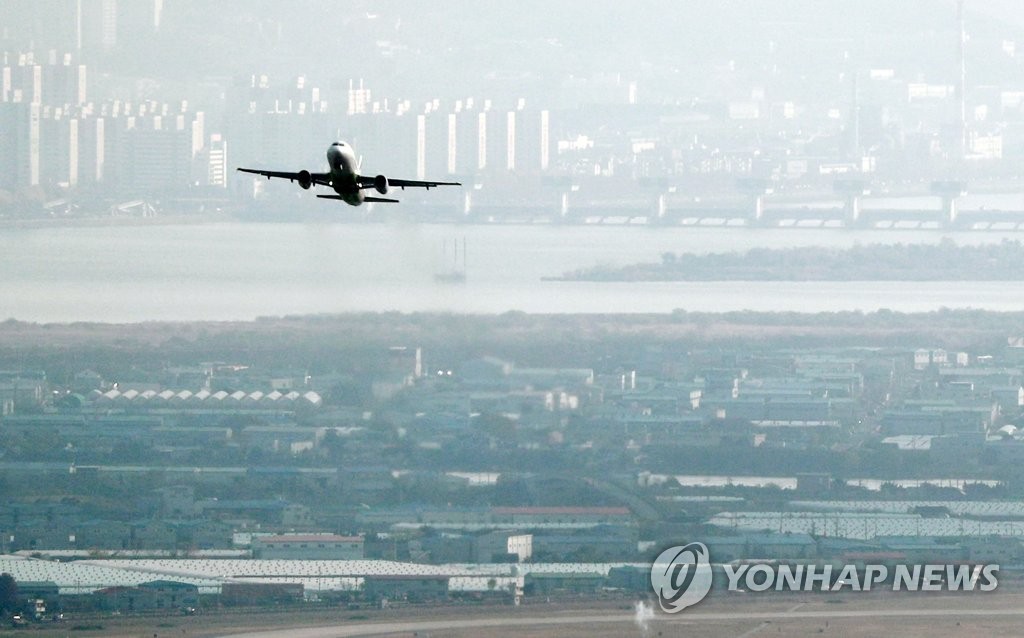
column 593, row 619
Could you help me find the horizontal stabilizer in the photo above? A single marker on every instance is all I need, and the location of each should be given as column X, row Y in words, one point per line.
column 365, row 199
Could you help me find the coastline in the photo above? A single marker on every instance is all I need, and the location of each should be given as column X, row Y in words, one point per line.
column 945, row 261
column 115, row 221
column 431, row 329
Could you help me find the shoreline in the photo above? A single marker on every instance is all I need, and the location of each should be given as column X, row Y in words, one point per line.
column 952, row 328
column 943, row 262
column 364, row 218
column 112, row 221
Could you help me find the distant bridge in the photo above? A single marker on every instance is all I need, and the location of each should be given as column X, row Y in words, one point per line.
column 753, row 203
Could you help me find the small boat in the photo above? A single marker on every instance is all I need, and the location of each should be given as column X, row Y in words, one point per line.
column 455, row 274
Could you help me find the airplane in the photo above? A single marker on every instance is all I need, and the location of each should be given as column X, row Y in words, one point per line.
column 345, row 179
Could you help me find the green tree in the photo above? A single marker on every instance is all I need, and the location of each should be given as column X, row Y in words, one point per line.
column 8, row 593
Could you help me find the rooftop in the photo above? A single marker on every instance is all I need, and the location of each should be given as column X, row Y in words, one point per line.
column 308, row 538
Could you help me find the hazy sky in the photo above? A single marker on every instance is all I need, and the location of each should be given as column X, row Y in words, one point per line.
column 416, row 47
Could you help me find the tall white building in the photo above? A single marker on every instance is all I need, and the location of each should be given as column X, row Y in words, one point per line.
column 358, row 98
column 217, row 161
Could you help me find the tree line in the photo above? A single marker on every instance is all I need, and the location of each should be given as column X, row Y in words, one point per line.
column 944, row 261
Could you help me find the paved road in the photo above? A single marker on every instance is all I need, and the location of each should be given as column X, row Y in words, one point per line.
column 372, row 629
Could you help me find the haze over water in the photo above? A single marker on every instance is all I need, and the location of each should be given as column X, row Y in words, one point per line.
column 242, row 271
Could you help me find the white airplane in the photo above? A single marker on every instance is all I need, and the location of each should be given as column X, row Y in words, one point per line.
column 345, row 179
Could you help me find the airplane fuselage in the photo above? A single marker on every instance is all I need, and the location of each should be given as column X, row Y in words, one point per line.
column 344, row 178
column 343, row 165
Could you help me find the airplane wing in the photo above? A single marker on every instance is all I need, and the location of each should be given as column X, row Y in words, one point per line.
column 367, row 181
column 324, row 179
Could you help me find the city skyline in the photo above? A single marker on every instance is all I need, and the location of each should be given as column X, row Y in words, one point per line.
column 113, row 116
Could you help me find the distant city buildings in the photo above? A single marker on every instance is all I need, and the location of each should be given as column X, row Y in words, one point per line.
column 74, row 133
column 415, row 474
column 59, row 140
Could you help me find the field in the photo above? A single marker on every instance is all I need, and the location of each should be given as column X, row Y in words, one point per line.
column 851, row 614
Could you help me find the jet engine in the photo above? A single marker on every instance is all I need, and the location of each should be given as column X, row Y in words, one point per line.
column 305, row 179
column 381, row 184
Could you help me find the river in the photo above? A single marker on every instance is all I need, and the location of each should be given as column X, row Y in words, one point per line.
column 228, row 271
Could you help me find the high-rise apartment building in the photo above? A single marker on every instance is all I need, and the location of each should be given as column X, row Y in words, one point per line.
column 96, row 25
column 92, row 149
column 216, row 155
column 20, row 159
column 532, row 140
column 155, row 153
column 59, row 147
column 63, row 81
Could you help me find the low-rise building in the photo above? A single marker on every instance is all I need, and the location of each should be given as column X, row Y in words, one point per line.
column 405, row 587
column 150, row 596
column 256, row 594
column 308, row 547
column 502, row 547
column 545, row 583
